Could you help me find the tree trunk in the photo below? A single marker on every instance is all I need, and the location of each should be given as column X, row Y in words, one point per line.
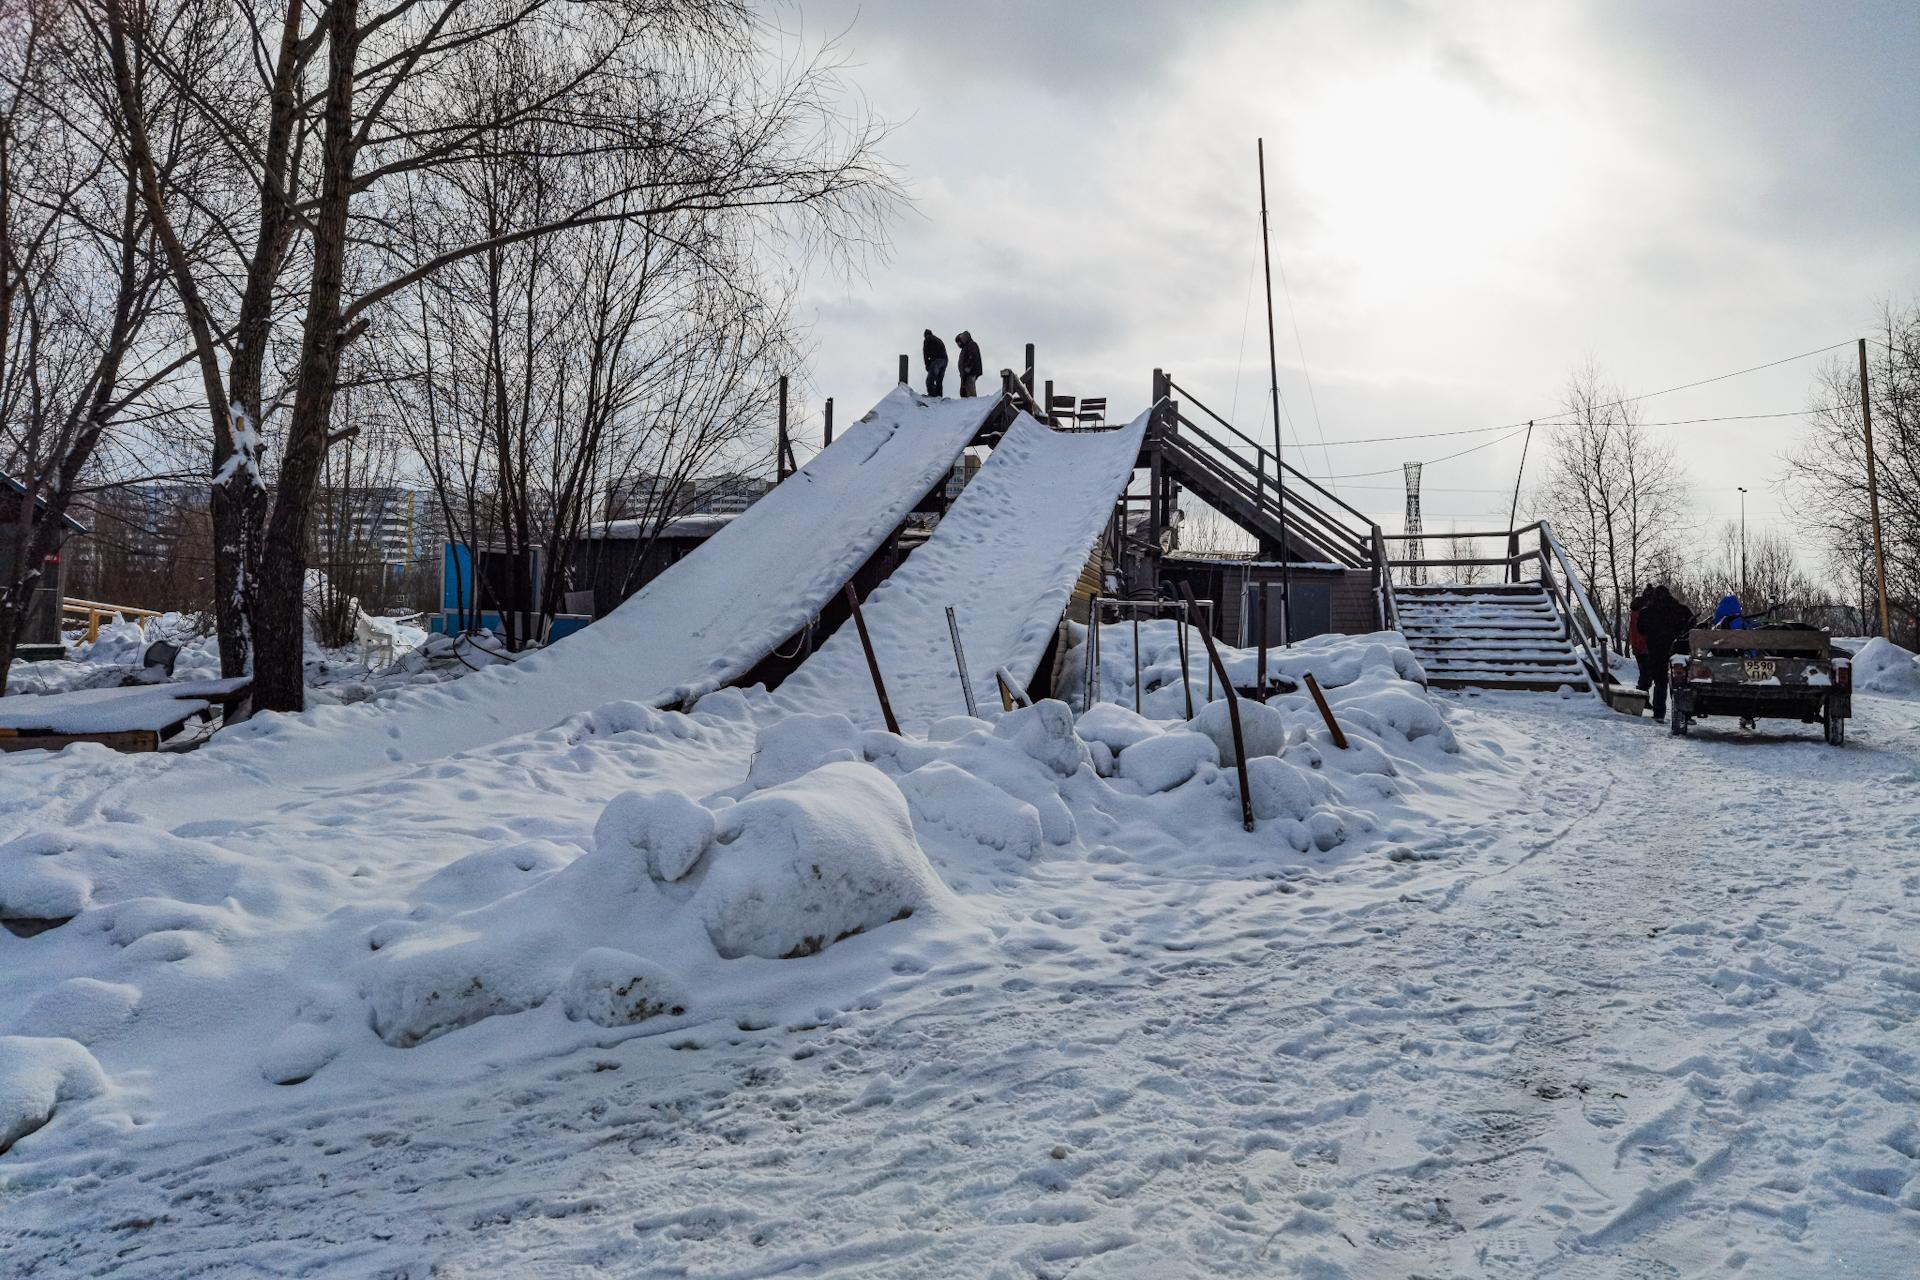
column 279, row 610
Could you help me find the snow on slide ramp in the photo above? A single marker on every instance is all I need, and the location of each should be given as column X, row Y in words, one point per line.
column 702, row 624
column 1005, row 556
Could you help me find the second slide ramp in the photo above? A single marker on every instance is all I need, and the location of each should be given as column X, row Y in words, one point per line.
column 700, row 625
column 1005, row 556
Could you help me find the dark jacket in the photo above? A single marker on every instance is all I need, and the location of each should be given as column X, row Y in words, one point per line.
column 1662, row 621
column 969, row 356
column 933, row 351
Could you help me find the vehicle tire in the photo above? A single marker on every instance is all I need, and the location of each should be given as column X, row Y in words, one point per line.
column 1679, row 724
column 1836, row 727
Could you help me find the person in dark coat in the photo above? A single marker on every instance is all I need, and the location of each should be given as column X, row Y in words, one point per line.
column 1663, row 620
column 969, row 364
column 1637, row 643
column 933, row 353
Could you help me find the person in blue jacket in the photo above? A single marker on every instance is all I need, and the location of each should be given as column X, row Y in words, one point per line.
column 1729, row 614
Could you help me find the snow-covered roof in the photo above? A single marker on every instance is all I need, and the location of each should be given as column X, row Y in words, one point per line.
column 702, row 525
column 693, row 526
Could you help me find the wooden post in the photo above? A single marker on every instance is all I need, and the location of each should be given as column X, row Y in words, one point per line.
column 1326, row 712
column 873, row 663
column 1136, row 662
column 1208, row 628
column 783, row 463
column 1233, row 718
column 1046, row 406
column 1260, row 664
column 1030, row 372
column 960, row 661
column 904, row 367
column 829, row 422
column 1873, row 492
column 1186, row 656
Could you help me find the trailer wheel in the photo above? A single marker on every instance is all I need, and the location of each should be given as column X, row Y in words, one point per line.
column 1836, row 727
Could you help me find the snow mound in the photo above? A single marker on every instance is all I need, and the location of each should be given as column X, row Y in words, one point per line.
column 810, row 862
column 670, row 890
column 665, row 829
column 1163, row 762
column 1263, row 728
column 617, row 989
column 37, row 1074
column 799, row 744
column 1880, row 666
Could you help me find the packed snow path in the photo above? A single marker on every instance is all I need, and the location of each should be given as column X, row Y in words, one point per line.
column 1654, row 1014
column 1005, row 557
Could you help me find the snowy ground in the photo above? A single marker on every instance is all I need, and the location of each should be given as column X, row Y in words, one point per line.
column 1575, row 999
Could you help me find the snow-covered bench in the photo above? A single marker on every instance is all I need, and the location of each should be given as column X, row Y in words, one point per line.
column 132, row 718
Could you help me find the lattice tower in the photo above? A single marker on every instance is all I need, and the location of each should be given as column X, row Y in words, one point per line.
column 1416, row 574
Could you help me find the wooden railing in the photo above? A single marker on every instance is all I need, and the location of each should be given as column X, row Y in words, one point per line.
column 1553, row 568
column 90, row 612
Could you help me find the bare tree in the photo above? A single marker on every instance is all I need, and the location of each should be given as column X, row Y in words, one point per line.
column 377, row 118
column 82, row 361
column 1459, row 548
column 1615, row 495
column 1826, row 477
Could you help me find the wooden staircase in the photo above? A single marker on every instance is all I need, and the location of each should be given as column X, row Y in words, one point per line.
column 1504, row 636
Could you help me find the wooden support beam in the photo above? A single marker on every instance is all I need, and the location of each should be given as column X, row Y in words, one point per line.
column 873, row 663
column 1233, row 715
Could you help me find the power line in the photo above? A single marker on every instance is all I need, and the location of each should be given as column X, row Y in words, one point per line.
column 1547, row 419
column 1361, row 475
column 1671, row 422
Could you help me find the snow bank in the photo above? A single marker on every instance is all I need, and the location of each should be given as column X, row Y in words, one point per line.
column 643, row 871
column 813, row 861
column 37, row 1074
column 1880, row 666
column 1334, row 660
column 638, row 925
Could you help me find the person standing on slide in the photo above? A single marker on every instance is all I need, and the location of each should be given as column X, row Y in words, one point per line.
column 969, row 364
column 933, row 353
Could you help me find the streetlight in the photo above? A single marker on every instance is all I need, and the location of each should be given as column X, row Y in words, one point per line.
column 1744, row 602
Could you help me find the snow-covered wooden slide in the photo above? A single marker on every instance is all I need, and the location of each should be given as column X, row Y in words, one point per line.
column 704, row 623
column 1005, row 556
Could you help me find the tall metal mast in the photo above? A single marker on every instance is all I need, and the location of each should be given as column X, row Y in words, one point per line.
column 1273, row 368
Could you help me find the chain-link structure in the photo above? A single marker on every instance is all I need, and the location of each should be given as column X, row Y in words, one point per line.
column 1416, row 574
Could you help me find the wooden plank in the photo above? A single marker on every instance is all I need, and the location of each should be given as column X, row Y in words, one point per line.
column 31, row 740
column 1791, row 641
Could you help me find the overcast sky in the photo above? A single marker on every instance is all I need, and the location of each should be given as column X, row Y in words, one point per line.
column 1468, row 202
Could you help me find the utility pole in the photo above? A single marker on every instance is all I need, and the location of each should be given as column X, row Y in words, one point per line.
column 1873, row 492
column 1513, row 517
column 1279, row 459
column 1744, row 602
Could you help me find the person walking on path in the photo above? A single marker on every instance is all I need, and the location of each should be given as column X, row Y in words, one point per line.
column 1637, row 643
column 970, row 366
column 933, row 353
column 1663, row 620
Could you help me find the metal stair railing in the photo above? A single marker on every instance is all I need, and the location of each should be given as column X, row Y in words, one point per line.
column 1331, row 524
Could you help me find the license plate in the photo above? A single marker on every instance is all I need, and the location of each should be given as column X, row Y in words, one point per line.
column 1759, row 669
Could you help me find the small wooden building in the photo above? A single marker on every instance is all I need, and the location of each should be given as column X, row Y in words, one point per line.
column 40, row 637
column 616, row 559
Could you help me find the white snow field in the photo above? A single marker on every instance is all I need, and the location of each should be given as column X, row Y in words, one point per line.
column 1512, row 987
column 1006, row 557
column 706, row 621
